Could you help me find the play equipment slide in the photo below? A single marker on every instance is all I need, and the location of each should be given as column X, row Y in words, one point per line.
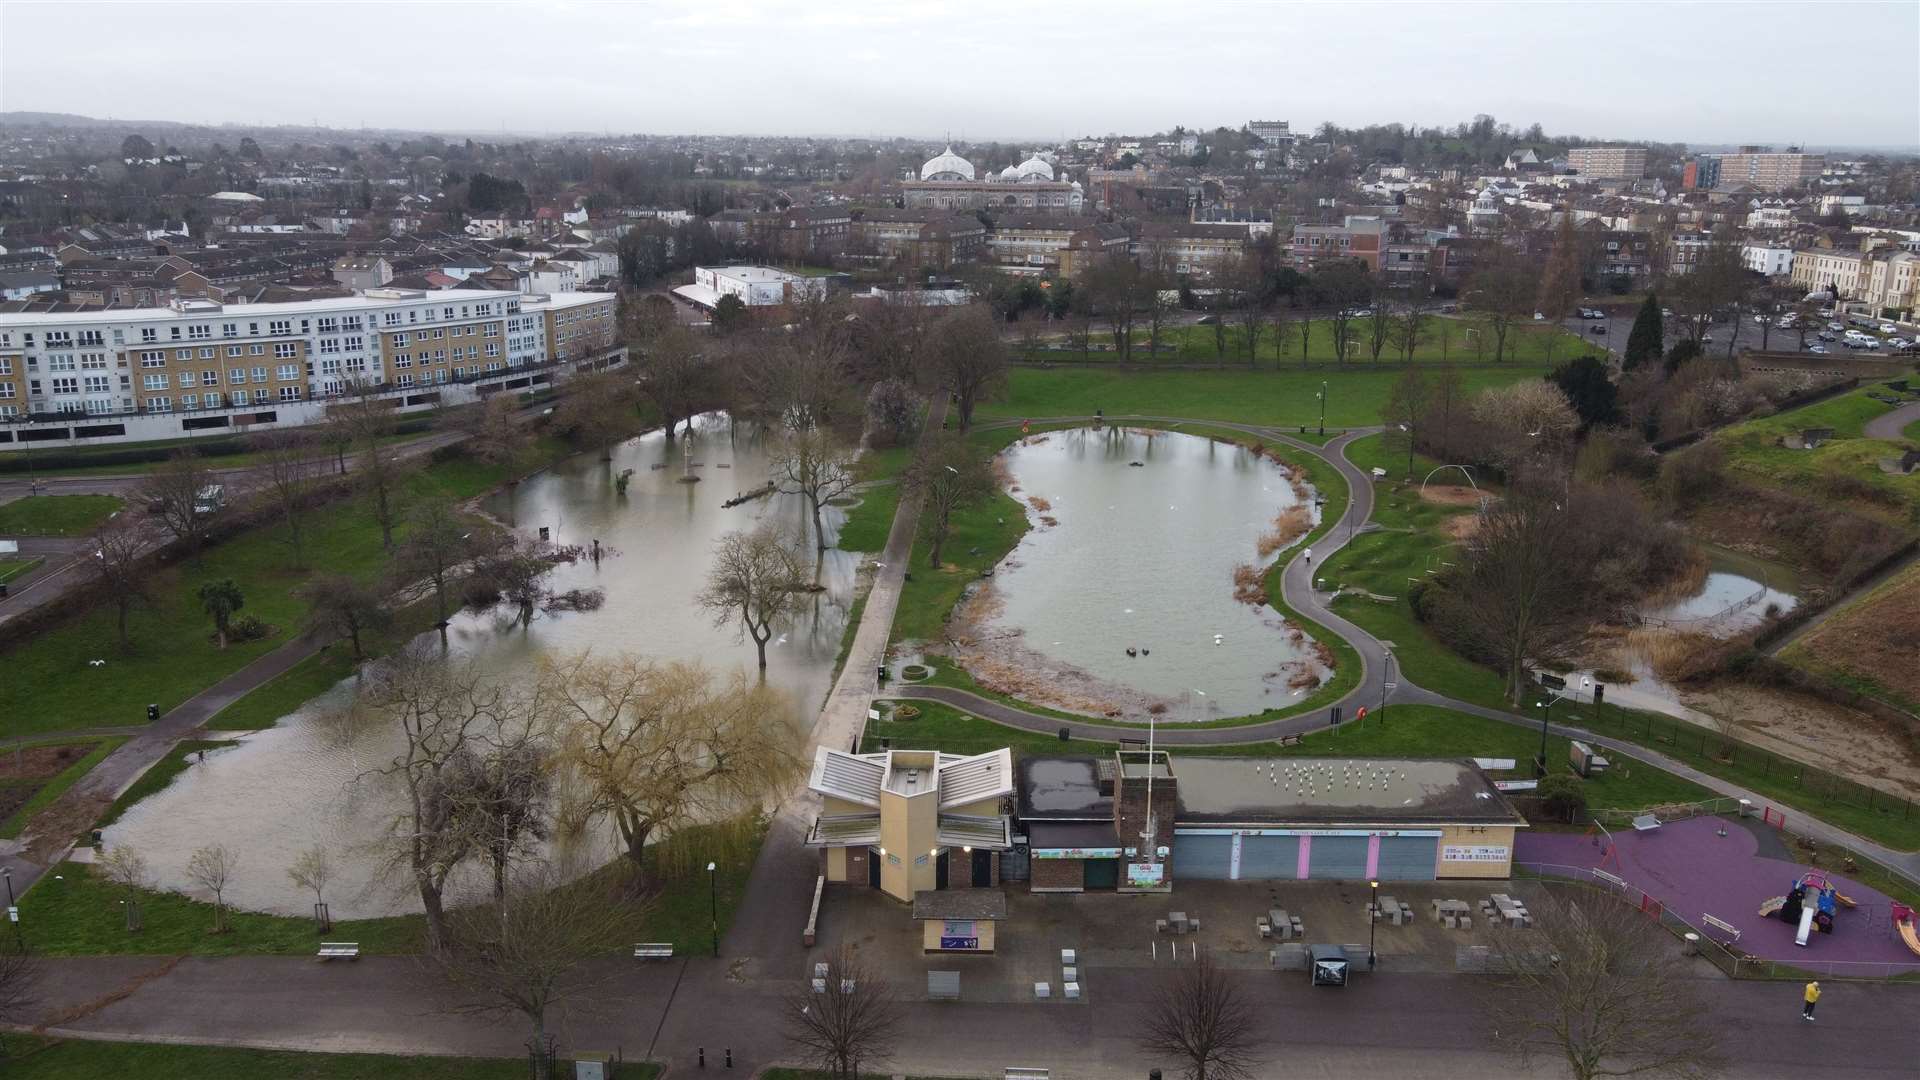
column 1806, row 926
column 1908, row 935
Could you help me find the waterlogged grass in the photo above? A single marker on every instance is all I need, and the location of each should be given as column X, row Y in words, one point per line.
column 51, row 685
column 182, row 757
column 868, row 524
column 55, row 786
column 56, row 515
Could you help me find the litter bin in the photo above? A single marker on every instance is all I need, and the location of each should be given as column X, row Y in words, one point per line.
column 1693, row 943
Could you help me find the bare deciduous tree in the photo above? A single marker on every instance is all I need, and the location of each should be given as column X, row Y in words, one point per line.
column 597, row 411
column 1409, row 330
column 967, row 359
column 19, row 994
column 754, row 581
column 1406, row 404
column 1516, row 600
column 1525, row 421
column 438, row 541
column 212, row 868
column 516, row 568
column 504, row 796
column 1118, row 291
column 654, row 748
column 1199, row 1016
column 345, row 608
column 171, row 492
column 532, row 949
column 947, row 474
column 812, row 464
column 1501, row 293
column 848, row 1026
column 117, row 545
column 492, row 434
column 284, row 468
column 366, row 420
column 1244, row 282
column 312, row 869
column 1596, row 985
column 125, row 867
column 1343, row 284
column 675, row 376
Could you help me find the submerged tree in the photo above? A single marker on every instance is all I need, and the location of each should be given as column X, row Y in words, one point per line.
column 755, row 580
column 813, row 465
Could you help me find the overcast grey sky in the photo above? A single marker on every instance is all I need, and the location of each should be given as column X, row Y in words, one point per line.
column 1727, row 72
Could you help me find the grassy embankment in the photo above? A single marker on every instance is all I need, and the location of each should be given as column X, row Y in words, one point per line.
column 1866, row 646
column 1846, row 469
column 28, row 795
column 1458, row 340
column 1419, row 731
column 174, row 657
column 72, row 1059
column 1413, row 540
column 56, row 515
column 81, row 915
column 15, row 568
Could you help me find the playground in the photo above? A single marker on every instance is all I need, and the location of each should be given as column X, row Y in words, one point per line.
column 1697, row 873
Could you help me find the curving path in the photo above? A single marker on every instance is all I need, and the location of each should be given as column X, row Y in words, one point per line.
column 1889, row 425
column 1375, row 658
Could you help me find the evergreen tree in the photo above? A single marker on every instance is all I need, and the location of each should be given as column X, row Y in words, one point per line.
column 1647, row 340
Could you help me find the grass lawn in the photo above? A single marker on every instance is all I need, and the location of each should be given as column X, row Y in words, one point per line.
column 1404, row 731
column 1864, row 646
column 44, row 791
column 1287, row 399
column 867, row 524
column 50, row 686
column 244, row 459
column 81, row 915
column 56, row 515
column 1456, row 340
column 1753, row 449
column 13, row 568
column 70, row 1059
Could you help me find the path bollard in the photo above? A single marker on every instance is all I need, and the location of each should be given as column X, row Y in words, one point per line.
column 729, row 1057
column 703, row 1057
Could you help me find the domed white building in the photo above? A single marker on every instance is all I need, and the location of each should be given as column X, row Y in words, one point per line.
column 949, row 182
column 947, row 166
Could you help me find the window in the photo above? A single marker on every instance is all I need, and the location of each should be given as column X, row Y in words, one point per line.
column 6, row 389
column 253, row 329
column 280, row 326
column 62, row 362
column 256, row 350
column 187, row 379
column 207, row 354
column 399, row 341
column 492, row 330
column 91, row 337
column 66, row 384
column 439, row 333
column 353, row 344
column 287, row 371
column 262, row 396
column 391, row 318
column 403, row 380
column 190, row 401
column 329, row 325
column 183, row 354
column 56, row 339
column 404, row 360
column 260, row 373
column 239, row 398
column 154, row 382
column 237, row 375
column 230, row 329
column 285, row 349
column 199, row 330
column 329, row 367
column 493, row 348
column 159, row 404
column 97, row 384
column 6, row 365
column 329, row 344
column 209, row 378
column 149, row 334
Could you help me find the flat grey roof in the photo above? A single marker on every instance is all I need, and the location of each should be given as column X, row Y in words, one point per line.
column 1337, row 790
column 960, row 904
column 1062, row 787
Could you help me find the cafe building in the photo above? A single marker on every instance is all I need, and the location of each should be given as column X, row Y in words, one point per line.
column 1087, row 820
column 909, row 822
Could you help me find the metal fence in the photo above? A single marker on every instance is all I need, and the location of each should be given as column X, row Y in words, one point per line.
column 1739, row 965
column 1714, row 752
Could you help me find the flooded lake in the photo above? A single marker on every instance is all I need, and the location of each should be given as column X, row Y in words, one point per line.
column 1134, row 545
column 1739, row 592
column 305, row 781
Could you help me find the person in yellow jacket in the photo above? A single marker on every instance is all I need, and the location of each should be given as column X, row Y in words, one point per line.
column 1812, row 997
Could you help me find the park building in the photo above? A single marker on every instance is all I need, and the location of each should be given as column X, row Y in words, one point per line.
column 201, row 367
column 949, row 182
column 754, row 286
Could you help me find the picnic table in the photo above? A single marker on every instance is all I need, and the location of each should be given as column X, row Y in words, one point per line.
column 1453, row 914
column 1506, row 909
column 1392, row 910
column 1283, row 925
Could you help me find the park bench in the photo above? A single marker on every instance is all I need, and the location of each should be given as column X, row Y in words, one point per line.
column 1289, row 740
column 339, row 950
column 653, row 950
column 1721, row 925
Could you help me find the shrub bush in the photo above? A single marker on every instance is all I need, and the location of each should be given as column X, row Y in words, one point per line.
column 905, row 712
column 1564, row 795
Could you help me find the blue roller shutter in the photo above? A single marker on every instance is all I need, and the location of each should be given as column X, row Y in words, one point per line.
column 1339, row 858
column 1408, row 858
column 1198, row 858
column 1265, row 858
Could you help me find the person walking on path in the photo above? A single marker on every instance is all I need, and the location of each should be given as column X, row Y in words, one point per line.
column 1309, row 554
column 1812, row 997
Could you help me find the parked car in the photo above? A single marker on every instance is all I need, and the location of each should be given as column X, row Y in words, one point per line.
column 1899, row 343
column 1596, row 329
column 1449, row 309
column 1888, row 328
column 1835, row 327
column 1821, row 349
column 1825, row 335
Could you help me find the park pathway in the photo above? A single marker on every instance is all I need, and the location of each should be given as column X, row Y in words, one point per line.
column 1380, row 682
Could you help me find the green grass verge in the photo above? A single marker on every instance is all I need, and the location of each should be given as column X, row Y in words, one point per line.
column 1285, row 399
column 13, row 568
column 1753, row 449
column 158, row 775
column 56, row 515
column 1446, row 340
column 264, row 705
column 55, row 786
column 50, row 685
column 81, row 914
column 1412, row 731
column 69, row 1059
column 868, row 524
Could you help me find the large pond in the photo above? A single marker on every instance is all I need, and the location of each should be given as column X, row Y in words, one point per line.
column 1738, row 594
column 1122, row 599
column 306, row 781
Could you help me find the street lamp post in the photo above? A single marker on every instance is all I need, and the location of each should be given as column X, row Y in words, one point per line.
column 713, row 904
column 1546, row 717
column 1323, row 409
column 13, row 911
column 1371, row 923
column 1386, row 681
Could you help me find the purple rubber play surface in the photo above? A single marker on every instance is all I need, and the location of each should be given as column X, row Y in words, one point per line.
column 1685, row 866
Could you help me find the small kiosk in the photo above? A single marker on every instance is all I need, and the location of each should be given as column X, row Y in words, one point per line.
column 958, row 920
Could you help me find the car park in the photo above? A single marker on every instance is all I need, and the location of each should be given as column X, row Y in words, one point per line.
column 1835, row 327
column 1899, row 343
column 1888, row 328
column 1821, row 349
